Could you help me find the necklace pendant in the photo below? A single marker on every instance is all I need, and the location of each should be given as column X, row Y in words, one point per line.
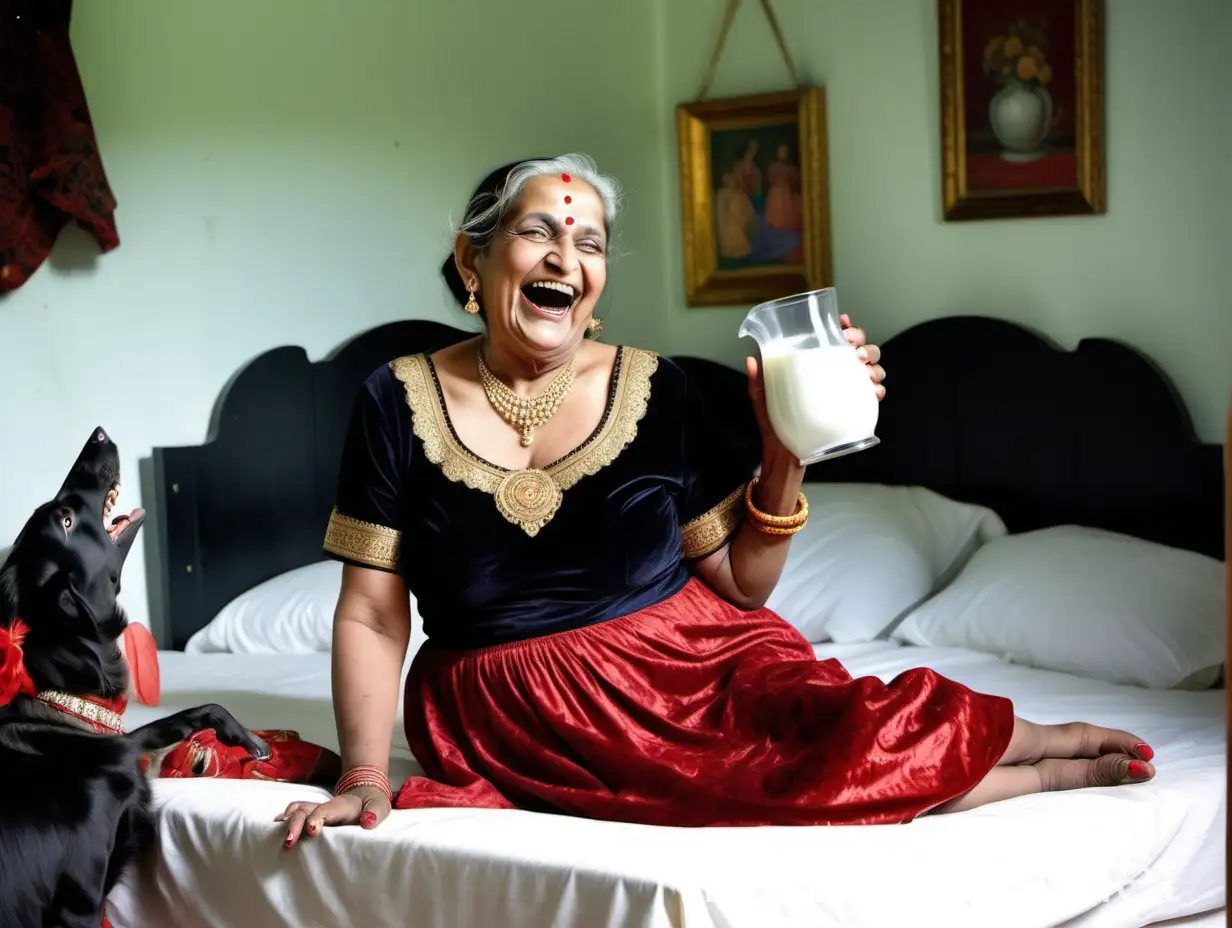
column 528, row 435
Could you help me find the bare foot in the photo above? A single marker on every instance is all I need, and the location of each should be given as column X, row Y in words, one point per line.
column 1105, row 770
column 1079, row 739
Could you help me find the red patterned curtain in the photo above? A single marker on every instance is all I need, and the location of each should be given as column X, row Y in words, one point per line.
column 50, row 170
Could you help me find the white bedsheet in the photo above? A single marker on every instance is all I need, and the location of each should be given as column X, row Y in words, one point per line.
column 1120, row 858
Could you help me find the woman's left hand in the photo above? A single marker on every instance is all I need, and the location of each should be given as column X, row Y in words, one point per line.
column 869, row 354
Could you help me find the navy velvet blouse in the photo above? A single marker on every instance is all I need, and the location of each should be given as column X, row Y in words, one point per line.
column 493, row 555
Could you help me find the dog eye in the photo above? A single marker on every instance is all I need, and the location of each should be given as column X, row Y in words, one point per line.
column 67, row 521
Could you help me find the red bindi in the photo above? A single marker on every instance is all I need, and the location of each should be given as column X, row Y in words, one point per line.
column 568, row 200
column 568, row 220
column 566, row 178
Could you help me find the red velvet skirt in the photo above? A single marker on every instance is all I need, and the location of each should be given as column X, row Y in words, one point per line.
column 691, row 713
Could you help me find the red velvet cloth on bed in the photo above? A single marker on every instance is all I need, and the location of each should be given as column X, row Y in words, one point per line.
column 50, row 169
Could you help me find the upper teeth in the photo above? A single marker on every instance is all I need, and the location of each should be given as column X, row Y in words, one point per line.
column 555, row 285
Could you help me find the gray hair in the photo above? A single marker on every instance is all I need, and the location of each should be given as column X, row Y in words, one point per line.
column 486, row 212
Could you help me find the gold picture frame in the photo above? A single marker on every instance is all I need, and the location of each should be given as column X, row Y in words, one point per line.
column 756, row 225
column 1022, row 108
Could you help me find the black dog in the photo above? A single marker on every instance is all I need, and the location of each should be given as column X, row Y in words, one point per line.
column 74, row 802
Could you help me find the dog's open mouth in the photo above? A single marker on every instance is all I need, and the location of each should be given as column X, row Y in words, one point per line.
column 123, row 522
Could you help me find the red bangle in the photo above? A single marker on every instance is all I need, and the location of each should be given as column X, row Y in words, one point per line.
column 365, row 775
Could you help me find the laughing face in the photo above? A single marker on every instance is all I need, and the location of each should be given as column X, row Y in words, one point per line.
column 539, row 280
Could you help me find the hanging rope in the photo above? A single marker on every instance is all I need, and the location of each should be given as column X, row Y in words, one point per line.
column 729, row 16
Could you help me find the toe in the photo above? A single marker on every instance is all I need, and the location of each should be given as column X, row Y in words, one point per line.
column 1139, row 771
column 1114, row 741
column 1114, row 769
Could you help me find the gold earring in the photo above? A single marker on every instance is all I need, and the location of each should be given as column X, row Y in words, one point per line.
column 471, row 306
column 594, row 326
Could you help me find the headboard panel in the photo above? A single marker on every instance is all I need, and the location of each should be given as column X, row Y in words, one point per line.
column 978, row 409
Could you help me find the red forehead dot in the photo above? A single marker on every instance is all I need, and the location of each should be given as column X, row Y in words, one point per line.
column 566, row 178
column 568, row 200
column 568, row 220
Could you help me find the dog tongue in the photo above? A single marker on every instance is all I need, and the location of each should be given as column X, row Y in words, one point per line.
column 142, row 655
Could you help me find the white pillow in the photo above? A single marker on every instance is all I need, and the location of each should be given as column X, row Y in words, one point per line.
column 1088, row 602
column 292, row 613
column 870, row 552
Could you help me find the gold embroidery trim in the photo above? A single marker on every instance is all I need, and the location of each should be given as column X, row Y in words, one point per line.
column 364, row 542
column 84, row 709
column 708, row 532
column 530, row 497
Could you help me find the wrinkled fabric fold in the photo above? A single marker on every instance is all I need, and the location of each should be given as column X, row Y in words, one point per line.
column 691, row 713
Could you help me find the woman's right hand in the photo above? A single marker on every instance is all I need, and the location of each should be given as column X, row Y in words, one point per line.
column 365, row 806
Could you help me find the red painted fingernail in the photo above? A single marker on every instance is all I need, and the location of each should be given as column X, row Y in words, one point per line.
column 1143, row 750
column 288, row 842
column 566, row 178
column 568, row 200
column 1136, row 769
column 368, row 819
column 568, row 220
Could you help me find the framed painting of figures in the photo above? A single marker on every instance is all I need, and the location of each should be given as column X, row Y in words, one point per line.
column 755, row 197
column 1021, row 108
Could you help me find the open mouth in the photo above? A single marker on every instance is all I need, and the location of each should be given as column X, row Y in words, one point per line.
column 121, row 523
column 550, row 296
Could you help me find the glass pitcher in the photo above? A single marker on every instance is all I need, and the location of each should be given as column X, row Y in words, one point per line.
column 821, row 401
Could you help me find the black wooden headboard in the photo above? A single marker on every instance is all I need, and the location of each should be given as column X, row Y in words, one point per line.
column 978, row 409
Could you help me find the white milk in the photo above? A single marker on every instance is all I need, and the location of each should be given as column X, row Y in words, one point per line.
column 818, row 397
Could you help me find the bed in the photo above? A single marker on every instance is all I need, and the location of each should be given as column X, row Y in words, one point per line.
column 997, row 449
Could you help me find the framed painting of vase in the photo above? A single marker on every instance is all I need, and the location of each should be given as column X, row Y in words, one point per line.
column 755, row 199
column 1021, row 108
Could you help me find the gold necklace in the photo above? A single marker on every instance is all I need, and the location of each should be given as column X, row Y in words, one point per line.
column 526, row 413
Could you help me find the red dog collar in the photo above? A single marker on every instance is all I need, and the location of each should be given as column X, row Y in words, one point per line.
column 102, row 715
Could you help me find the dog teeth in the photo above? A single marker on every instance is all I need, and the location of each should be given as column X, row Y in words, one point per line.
column 109, row 503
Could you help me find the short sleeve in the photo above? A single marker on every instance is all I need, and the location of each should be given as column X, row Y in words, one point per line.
column 720, row 457
column 364, row 526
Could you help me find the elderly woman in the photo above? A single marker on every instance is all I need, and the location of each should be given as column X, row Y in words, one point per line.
column 591, row 559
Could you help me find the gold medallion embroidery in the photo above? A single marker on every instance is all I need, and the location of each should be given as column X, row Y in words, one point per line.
column 708, row 532
column 363, row 542
column 530, row 497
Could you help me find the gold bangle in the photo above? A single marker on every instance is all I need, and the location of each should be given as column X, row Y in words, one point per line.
column 795, row 520
column 779, row 529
